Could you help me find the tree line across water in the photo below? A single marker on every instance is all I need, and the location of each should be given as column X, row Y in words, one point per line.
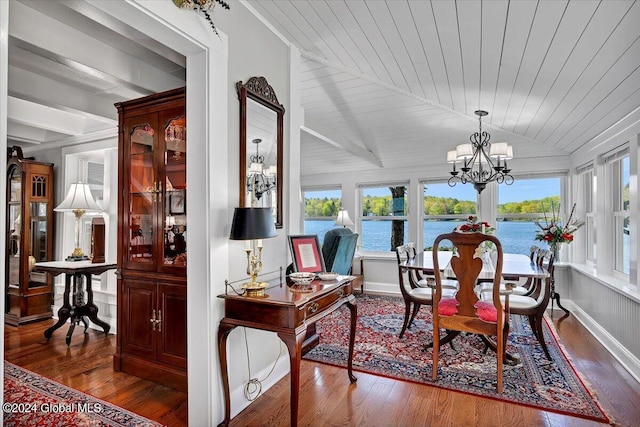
column 384, row 206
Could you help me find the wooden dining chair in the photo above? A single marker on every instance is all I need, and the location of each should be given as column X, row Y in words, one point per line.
column 534, row 305
column 465, row 312
column 416, row 290
column 528, row 287
column 414, row 296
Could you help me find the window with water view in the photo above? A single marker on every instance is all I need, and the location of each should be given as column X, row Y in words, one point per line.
column 320, row 210
column 520, row 205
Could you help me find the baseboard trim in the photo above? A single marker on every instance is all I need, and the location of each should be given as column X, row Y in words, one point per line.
column 238, row 400
column 617, row 350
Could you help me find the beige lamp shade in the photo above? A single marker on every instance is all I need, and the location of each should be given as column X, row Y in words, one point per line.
column 343, row 218
column 78, row 198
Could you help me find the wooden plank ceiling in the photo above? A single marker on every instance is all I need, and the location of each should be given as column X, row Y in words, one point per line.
column 397, row 82
column 390, row 84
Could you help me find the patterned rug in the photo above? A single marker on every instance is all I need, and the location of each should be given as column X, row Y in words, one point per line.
column 535, row 381
column 32, row 400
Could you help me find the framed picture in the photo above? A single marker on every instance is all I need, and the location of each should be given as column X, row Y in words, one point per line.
column 306, row 254
column 176, row 202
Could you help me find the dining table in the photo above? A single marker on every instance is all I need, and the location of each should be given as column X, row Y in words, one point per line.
column 514, row 266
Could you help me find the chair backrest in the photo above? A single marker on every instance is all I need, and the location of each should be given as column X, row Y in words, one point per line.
column 403, row 254
column 542, row 291
column 330, row 245
column 466, row 264
column 343, row 257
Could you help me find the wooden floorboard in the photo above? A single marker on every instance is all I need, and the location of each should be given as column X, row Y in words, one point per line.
column 327, row 396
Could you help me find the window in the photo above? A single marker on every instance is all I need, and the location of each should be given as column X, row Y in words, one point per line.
column 619, row 169
column 320, row 210
column 384, row 217
column 444, row 208
column 95, row 179
column 586, row 183
column 522, row 204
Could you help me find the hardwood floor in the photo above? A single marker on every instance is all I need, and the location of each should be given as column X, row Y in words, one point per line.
column 87, row 365
column 327, row 397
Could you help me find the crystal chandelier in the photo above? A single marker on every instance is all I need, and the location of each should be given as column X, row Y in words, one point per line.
column 480, row 161
column 259, row 182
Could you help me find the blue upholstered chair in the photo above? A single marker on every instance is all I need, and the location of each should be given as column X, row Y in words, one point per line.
column 338, row 249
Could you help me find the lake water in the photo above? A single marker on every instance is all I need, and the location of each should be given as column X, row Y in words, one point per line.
column 515, row 236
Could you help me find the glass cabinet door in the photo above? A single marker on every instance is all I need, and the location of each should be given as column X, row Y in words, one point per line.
column 175, row 215
column 38, row 244
column 14, row 225
column 143, row 192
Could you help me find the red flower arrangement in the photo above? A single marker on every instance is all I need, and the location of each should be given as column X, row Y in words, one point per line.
column 553, row 232
column 474, row 226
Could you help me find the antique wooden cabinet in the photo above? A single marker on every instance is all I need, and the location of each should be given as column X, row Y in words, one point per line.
column 152, row 231
column 29, row 237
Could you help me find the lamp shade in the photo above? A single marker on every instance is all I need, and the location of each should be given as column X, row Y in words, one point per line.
column 464, row 151
column 452, row 156
column 343, row 218
column 499, row 150
column 252, row 223
column 78, row 198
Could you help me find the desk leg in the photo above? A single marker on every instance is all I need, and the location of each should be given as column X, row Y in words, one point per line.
column 294, row 345
column 223, row 334
column 65, row 311
column 93, row 309
column 352, row 339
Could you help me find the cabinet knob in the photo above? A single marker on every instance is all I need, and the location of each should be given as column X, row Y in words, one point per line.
column 313, row 307
column 340, row 293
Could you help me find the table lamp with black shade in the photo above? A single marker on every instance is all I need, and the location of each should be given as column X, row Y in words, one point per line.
column 79, row 200
column 253, row 224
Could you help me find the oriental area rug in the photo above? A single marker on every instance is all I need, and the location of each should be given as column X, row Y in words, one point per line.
column 535, row 381
column 33, row 400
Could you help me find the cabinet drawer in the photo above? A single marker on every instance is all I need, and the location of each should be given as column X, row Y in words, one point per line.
column 317, row 306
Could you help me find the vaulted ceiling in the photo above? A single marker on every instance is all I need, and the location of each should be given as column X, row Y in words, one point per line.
column 389, row 84
column 397, row 82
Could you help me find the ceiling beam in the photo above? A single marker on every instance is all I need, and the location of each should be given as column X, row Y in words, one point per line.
column 54, row 43
column 348, row 146
column 40, row 116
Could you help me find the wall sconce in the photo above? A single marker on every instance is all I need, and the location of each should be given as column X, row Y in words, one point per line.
column 253, row 224
column 79, row 200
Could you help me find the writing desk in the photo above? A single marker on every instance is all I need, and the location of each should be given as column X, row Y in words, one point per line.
column 287, row 313
column 75, row 309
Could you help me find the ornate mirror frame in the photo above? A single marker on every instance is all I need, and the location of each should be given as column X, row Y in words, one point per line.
column 257, row 89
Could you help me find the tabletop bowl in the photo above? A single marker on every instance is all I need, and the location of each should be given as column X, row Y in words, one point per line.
column 328, row 275
column 302, row 278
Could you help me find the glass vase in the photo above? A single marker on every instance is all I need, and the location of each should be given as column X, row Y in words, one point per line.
column 555, row 248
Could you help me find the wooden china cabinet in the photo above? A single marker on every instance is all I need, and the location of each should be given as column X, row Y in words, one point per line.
column 152, row 231
column 29, row 238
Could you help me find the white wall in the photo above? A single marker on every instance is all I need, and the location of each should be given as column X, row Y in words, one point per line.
column 254, row 51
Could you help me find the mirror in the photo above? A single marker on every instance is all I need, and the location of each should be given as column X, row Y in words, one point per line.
column 261, row 140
